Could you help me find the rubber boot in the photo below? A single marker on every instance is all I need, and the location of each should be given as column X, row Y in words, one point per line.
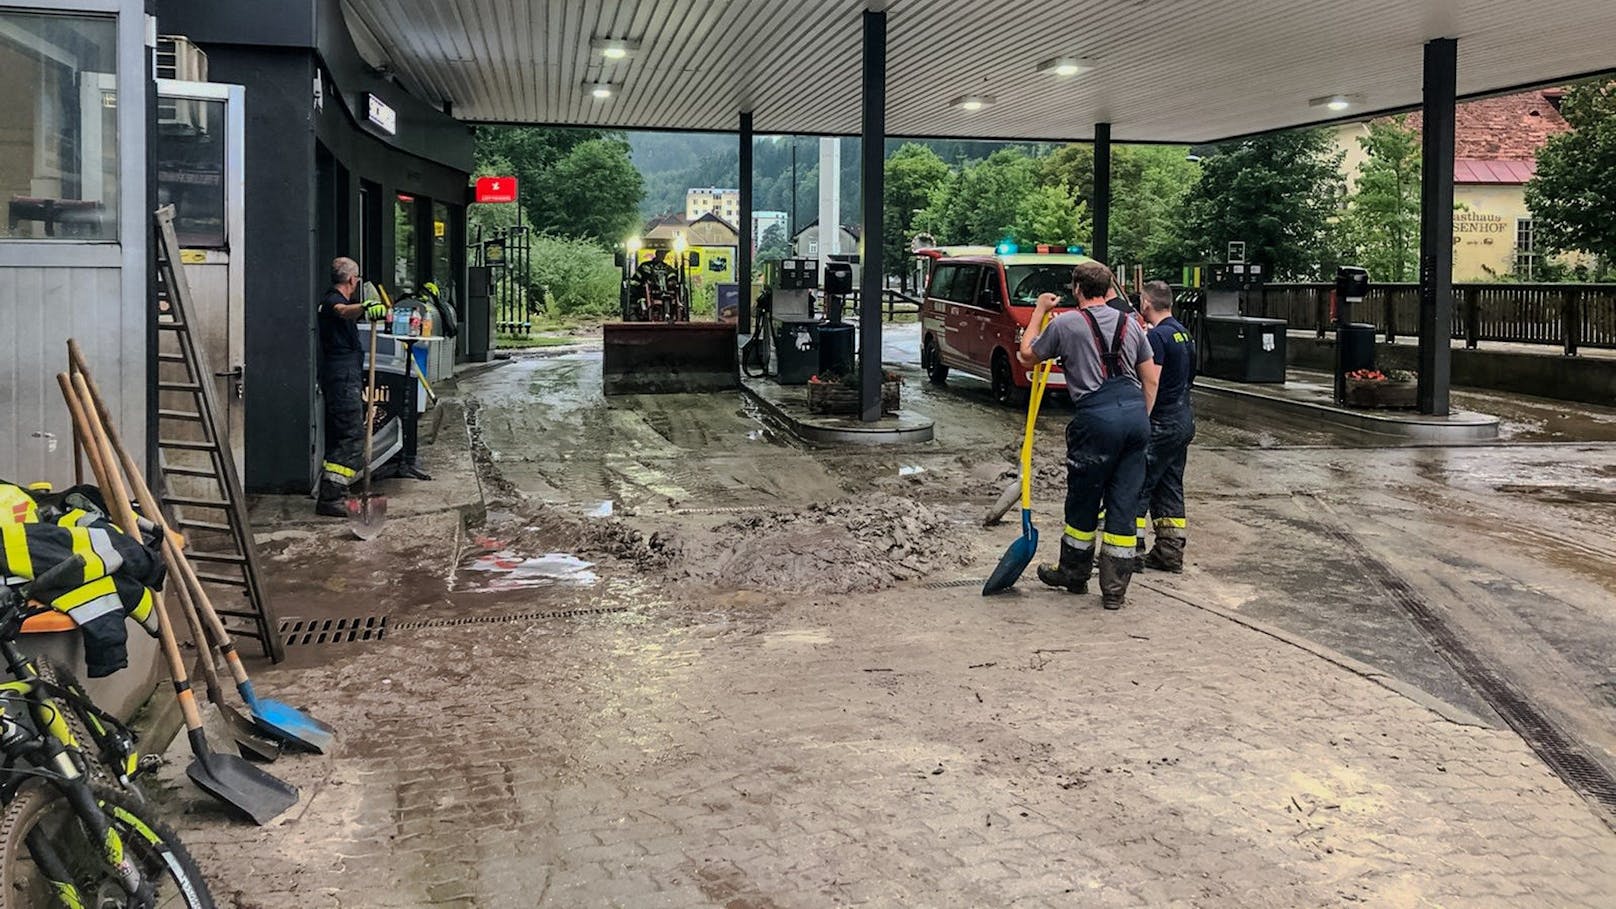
column 1168, row 555
column 1115, row 572
column 1072, row 574
column 1139, row 553
column 332, row 500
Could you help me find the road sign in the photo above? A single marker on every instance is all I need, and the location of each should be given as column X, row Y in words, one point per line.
column 496, row 189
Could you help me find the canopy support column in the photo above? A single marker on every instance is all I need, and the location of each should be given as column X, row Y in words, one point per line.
column 873, row 159
column 1436, row 226
column 1102, row 193
column 743, row 256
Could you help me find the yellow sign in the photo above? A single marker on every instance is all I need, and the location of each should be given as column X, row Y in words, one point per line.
column 193, row 257
column 440, row 229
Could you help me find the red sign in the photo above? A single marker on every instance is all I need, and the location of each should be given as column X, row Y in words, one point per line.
column 496, row 189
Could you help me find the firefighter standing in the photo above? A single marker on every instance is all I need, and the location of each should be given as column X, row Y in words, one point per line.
column 1172, row 428
column 342, row 361
column 1111, row 377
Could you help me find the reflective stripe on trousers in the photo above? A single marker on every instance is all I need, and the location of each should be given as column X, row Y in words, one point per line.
column 1105, row 466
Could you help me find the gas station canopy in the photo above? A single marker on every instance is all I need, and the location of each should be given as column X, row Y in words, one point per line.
column 1159, row 70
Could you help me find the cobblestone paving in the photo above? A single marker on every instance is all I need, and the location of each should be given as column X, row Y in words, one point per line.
column 913, row 748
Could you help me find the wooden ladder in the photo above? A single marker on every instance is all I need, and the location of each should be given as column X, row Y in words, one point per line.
column 198, row 483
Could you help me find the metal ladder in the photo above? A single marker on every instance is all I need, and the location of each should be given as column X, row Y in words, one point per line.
column 192, row 453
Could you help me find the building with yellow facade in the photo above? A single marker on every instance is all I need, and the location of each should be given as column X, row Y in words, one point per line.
column 1495, row 154
column 705, row 200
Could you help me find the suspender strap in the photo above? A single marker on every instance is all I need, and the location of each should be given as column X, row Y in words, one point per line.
column 1110, row 360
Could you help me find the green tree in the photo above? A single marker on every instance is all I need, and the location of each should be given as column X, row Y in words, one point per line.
column 911, row 173
column 592, row 191
column 526, row 152
column 1570, row 196
column 774, row 244
column 1382, row 220
column 1278, row 193
column 1148, row 186
column 979, row 204
column 1049, row 214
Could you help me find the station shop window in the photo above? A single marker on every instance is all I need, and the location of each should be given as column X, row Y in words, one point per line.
column 58, row 127
column 406, row 244
column 190, row 169
column 442, row 269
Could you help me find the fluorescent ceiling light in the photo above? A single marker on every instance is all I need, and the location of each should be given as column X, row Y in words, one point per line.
column 971, row 102
column 1335, row 102
column 1065, row 66
column 600, row 90
column 614, row 48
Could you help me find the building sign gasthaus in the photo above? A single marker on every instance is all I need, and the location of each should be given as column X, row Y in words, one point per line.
column 1474, row 222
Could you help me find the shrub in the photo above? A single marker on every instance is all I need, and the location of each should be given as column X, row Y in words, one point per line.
column 578, row 277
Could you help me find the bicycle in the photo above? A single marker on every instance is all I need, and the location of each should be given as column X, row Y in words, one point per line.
column 65, row 840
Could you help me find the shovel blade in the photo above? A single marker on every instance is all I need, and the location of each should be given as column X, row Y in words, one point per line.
column 252, row 792
column 249, row 739
column 366, row 514
column 1015, row 560
column 292, row 725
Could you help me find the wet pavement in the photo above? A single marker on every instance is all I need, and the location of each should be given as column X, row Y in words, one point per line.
column 675, row 657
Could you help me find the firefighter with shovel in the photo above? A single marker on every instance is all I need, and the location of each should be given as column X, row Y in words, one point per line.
column 342, row 383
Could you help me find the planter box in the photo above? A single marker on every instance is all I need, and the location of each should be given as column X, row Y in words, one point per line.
column 1382, row 395
column 836, row 398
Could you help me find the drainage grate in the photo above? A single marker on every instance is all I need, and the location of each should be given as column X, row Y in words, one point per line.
column 956, row 583
column 1564, row 755
column 312, row 632
column 506, row 619
column 725, row 509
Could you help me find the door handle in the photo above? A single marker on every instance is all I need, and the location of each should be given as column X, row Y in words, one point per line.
column 236, row 373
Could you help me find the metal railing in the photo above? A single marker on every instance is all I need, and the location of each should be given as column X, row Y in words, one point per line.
column 1569, row 316
column 514, row 300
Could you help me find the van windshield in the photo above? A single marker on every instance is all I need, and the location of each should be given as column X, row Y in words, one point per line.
column 1027, row 282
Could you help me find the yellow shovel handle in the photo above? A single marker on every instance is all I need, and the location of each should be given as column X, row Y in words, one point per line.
column 1040, row 381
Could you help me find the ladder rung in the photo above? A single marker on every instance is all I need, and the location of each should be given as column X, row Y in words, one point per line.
column 186, row 415
column 170, row 326
column 178, row 386
column 171, row 358
column 205, row 473
column 213, row 526
column 198, row 503
column 221, row 579
column 229, row 558
column 186, row 445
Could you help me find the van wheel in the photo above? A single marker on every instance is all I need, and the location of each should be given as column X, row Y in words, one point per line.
column 931, row 361
column 1004, row 383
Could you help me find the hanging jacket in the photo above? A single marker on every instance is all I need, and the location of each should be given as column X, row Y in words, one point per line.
column 120, row 571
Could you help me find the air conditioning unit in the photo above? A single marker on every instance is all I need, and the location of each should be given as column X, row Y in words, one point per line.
column 178, row 58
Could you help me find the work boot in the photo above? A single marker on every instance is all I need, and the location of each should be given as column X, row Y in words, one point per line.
column 332, row 501
column 1139, row 553
column 1072, row 574
column 1168, row 555
column 1115, row 572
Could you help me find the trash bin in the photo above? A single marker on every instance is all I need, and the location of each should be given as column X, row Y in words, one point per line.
column 1357, row 342
column 1244, row 349
column 836, row 350
column 796, row 352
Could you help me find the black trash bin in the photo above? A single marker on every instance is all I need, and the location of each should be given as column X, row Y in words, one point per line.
column 1244, row 349
column 836, row 350
column 796, row 352
column 1357, row 342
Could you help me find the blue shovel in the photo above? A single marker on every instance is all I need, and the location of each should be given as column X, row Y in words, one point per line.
column 1020, row 554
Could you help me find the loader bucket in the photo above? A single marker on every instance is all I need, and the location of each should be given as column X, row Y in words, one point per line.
column 669, row 357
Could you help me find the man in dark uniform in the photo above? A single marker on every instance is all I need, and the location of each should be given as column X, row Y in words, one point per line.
column 1112, row 379
column 342, row 361
column 1172, row 428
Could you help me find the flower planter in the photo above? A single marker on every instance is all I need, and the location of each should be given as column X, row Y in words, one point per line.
column 837, row 398
column 1382, row 394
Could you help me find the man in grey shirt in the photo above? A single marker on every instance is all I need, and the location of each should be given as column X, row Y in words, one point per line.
column 1111, row 376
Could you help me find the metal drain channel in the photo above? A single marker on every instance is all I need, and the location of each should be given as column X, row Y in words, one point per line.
column 1568, row 759
column 314, row 632
column 507, row 619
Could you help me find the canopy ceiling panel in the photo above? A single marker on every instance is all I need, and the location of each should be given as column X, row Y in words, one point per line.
column 1164, row 70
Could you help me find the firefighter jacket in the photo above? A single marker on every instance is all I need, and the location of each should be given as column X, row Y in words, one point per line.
column 38, row 530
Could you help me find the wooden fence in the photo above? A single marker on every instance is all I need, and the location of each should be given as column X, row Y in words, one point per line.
column 1569, row 316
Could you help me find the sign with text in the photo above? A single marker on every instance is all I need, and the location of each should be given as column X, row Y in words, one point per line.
column 496, row 189
column 381, row 115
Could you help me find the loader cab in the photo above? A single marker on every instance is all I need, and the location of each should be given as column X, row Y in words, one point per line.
column 978, row 302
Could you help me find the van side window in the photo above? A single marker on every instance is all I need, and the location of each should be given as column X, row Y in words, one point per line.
column 965, row 284
column 988, row 295
column 942, row 279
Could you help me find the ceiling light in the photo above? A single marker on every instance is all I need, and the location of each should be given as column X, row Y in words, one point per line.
column 599, row 90
column 971, row 102
column 1065, row 66
column 614, row 48
column 1335, row 102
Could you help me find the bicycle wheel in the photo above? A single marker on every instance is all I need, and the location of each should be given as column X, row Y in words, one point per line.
column 60, row 676
column 40, row 810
